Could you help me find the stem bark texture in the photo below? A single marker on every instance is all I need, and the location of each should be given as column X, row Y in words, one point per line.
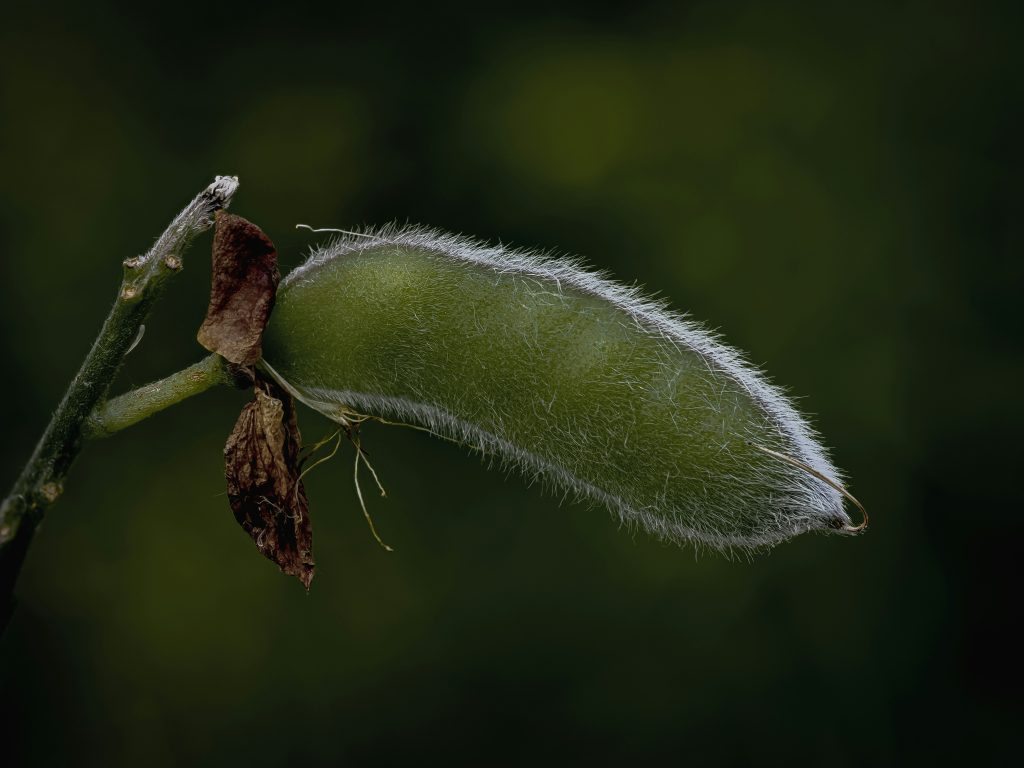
column 42, row 480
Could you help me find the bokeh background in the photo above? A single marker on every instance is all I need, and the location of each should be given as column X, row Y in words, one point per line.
column 837, row 187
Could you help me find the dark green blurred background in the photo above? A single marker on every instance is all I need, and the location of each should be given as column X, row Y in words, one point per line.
column 835, row 187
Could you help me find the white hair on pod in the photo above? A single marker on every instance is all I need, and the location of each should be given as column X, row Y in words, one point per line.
column 822, row 498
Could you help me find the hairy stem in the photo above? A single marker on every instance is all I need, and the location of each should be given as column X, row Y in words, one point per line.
column 41, row 482
column 132, row 407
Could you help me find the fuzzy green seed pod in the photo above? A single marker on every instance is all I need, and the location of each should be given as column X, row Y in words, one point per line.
column 576, row 380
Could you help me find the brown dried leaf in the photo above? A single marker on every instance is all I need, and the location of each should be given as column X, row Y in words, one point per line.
column 263, row 468
column 242, row 290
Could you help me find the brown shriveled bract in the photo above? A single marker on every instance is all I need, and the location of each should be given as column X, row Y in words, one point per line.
column 265, row 489
column 261, row 457
column 242, row 290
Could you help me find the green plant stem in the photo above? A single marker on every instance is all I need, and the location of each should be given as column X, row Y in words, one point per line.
column 132, row 407
column 41, row 482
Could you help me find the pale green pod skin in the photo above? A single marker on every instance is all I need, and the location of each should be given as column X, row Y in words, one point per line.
column 575, row 379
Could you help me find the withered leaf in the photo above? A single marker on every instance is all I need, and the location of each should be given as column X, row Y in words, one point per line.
column 242, row 290
column 263, row 468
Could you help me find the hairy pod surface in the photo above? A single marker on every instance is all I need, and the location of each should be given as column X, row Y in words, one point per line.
column 577, row 380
